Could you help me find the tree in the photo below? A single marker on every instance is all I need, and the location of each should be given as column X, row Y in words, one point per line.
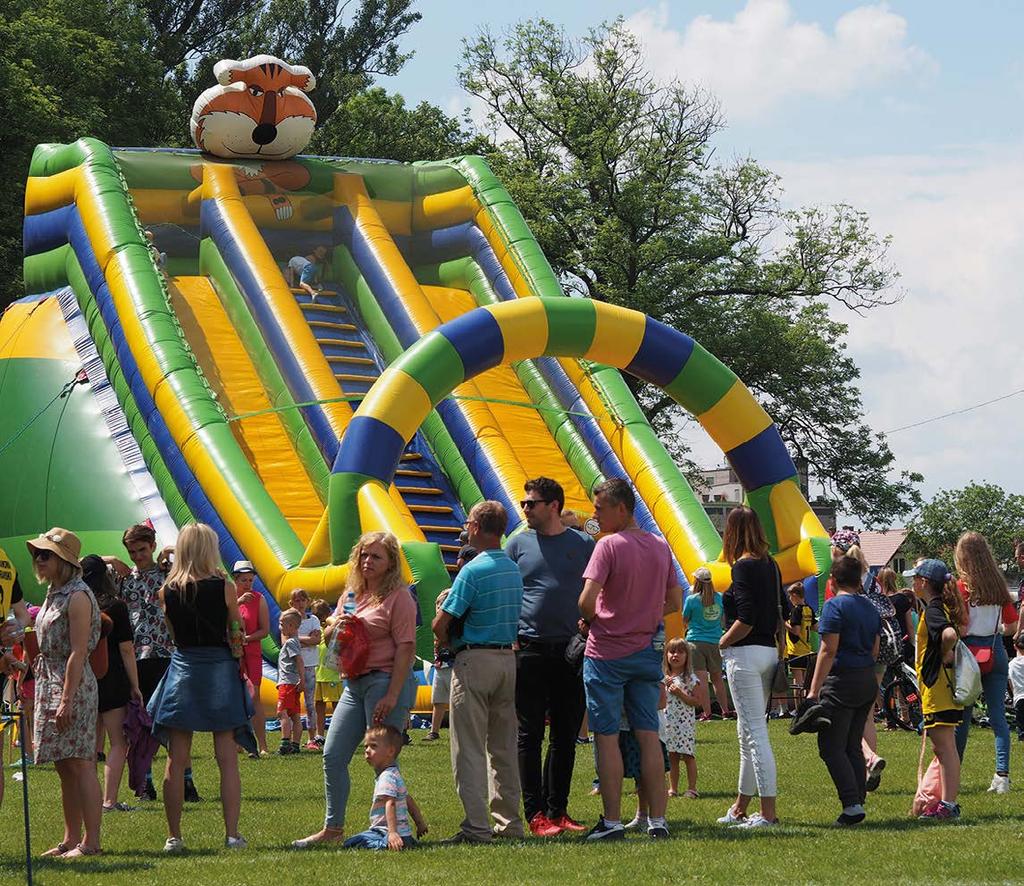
column 70, row 70
column 345, row 43
column 183, row 30
column 615, row 173
column 375, row 123
column 981, row 507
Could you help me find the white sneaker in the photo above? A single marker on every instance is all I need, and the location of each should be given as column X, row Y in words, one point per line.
column 758, row 821
column 731, row 818
column 238, row 842
column 174, row 846
column 1000, row 784
column 639, row 822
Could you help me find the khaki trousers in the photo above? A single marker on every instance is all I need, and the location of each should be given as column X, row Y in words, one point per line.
column 483, row 741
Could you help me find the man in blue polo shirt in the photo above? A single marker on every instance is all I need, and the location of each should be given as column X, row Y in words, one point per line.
column 487, row 597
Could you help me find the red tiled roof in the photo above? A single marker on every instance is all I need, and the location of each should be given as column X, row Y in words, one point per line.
column 880, row 547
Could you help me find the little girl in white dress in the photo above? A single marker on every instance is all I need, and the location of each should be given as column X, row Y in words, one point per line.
column 681, row 715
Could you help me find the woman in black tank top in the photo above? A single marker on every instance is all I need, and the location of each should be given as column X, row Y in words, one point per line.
column 202, row 690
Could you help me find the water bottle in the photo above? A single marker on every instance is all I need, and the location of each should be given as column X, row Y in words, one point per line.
column 659, row 638
column 12, row 628
column 333, row 657
column 348, row 607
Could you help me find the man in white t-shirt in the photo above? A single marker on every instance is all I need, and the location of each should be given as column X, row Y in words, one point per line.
column 309, row 640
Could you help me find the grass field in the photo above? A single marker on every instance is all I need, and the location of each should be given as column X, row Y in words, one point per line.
column 283, row 799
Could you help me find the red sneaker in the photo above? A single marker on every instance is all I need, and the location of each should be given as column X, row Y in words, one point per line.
column 568, row 824
column 542, row 826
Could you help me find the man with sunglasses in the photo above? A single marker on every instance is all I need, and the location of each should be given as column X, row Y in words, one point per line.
column 551, row 559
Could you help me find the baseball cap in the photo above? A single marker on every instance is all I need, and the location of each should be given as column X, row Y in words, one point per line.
column 933, row 570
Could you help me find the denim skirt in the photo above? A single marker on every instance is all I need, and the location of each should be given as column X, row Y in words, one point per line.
column 202, row 691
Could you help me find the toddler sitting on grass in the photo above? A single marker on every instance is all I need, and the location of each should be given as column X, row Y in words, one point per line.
column 392, row 804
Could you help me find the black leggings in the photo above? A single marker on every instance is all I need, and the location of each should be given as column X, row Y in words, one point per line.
column 849, row 697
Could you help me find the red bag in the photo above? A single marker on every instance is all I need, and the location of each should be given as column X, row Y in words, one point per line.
column 352, row 642
column 985, row 656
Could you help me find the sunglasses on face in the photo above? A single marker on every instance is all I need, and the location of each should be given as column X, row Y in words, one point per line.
column 528, row 503
column 41, row 555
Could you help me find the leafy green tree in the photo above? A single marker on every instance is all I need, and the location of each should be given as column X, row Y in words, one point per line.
column 981, row 507
column 615, row 173
column 182, row 31
column 69, row 70
column 375, row 123
column 345, row 43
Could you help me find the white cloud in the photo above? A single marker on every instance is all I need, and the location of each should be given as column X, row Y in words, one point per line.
column 763, row 56
column 954, row 340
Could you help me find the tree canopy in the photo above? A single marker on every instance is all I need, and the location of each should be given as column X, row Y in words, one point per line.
column 981, row 507
column 616, row 174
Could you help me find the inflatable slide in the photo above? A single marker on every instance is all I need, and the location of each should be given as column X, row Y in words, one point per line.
column 164, row 367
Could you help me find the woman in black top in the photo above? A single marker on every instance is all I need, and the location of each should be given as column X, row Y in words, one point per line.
column 202, row 690
column 119, row 684
column 750, row 652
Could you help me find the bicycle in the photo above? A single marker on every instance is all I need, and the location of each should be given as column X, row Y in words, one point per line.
column 901, row 697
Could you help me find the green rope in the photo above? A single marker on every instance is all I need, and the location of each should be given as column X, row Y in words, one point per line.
column 62, row 393
column 358, row 399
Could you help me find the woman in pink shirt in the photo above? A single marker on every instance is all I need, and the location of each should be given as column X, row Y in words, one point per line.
column 385, row 691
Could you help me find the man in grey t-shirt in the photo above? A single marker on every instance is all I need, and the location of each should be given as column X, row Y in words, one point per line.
column 551, row 559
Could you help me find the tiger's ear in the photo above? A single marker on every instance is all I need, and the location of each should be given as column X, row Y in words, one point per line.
column 302, row 78
column 225, row 71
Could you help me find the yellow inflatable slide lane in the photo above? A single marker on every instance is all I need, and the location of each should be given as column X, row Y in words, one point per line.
column 233, row 378
column 500, row 408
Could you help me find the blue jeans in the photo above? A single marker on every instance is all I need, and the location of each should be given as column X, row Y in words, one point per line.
column 993, row 685
column 375, row 838
column 352, row 716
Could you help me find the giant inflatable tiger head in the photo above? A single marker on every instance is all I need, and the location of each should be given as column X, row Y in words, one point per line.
column 258, row 109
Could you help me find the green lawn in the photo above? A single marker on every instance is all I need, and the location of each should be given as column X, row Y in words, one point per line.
column 283, row 800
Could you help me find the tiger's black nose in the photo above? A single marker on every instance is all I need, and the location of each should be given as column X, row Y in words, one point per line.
column 264, row 134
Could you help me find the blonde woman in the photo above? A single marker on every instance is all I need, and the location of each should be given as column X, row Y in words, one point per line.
column 990, row 615
column 384, row 693
column 202, row 690
column 702, row 626
column 67, row 698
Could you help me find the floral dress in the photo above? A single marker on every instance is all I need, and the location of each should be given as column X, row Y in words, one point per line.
column 681, row 719
column 53, row 630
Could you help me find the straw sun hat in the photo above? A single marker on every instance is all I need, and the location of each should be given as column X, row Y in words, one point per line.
column 62, row 542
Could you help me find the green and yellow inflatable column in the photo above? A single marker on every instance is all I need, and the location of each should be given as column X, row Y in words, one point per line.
column 486, row 337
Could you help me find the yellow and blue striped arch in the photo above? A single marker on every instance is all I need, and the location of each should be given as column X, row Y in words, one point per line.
column 527, row 328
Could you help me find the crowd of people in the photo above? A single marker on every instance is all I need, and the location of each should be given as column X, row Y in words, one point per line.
column 541, row 634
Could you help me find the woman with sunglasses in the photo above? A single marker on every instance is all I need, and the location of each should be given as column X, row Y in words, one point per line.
column 67, row 699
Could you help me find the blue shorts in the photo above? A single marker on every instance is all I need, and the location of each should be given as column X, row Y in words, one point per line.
column 616, row 684
column 375, row 838
column 308, row 274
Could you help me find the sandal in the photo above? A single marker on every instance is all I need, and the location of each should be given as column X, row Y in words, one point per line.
column 82, row 851
column 57, row 851
column 691, row 795
column 327, row 835
column 673, row 793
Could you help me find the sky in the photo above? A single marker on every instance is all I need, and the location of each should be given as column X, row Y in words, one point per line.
column 910, row 111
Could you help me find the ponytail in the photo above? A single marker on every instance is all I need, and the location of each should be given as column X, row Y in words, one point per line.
column 953, row 600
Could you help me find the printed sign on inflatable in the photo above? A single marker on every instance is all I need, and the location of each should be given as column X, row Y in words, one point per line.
column 258, row 110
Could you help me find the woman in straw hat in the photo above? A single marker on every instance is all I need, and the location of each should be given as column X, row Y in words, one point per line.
column 68, row 629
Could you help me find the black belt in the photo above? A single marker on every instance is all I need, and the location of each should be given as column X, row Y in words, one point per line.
column 484, row 646
column 525, row 642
